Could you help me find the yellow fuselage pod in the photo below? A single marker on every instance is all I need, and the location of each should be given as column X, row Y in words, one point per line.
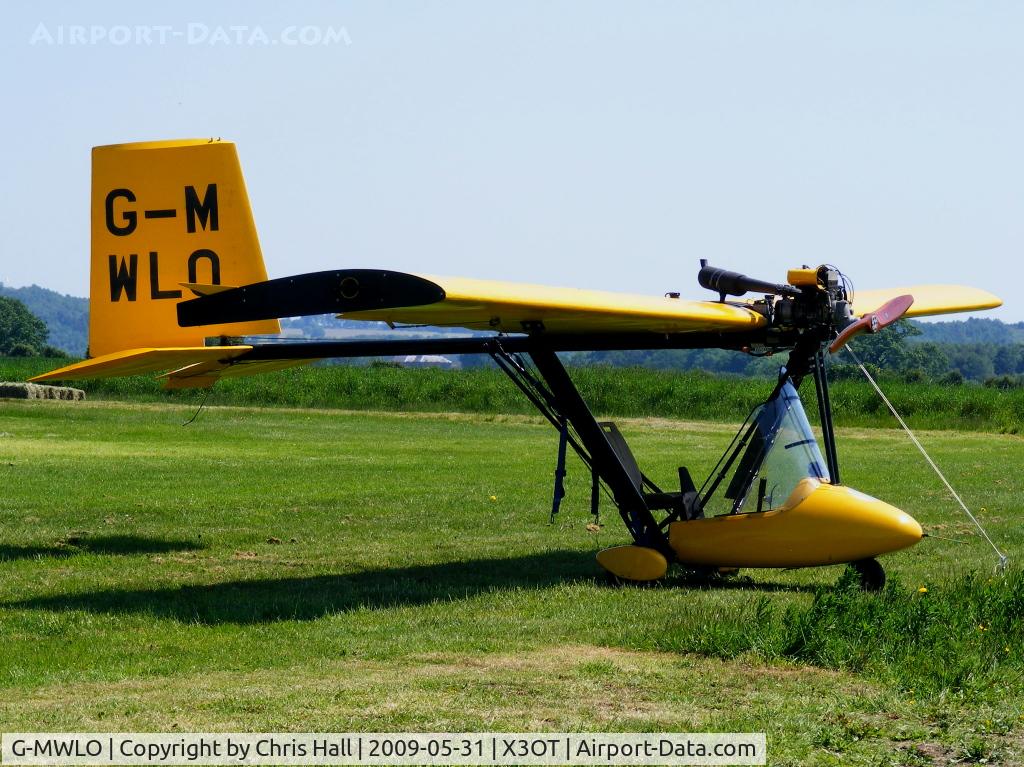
column 819, row 524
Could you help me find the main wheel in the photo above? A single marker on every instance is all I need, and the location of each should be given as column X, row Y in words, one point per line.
column 872, row 574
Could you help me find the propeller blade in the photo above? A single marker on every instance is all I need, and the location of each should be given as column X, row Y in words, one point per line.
column 874, row 321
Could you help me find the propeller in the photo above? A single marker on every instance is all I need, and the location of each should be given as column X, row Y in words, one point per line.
column 874, row 321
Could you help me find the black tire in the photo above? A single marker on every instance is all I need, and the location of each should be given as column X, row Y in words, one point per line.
column 871, row 573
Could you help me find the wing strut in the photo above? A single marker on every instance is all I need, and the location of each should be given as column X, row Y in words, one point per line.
column 808, row 357
column 541, row 397
column 558, row 399
column 825, row 414
column 599, row 445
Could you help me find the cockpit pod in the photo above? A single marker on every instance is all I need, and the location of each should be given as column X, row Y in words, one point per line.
column 779, row 508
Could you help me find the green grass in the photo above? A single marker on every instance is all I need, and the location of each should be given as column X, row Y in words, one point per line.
column 628, row 392
column 300, row 569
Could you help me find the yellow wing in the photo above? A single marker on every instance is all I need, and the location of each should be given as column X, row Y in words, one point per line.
column 928, row 299
column 194, row 366
column 133, row 362
column 510, row 307
column 204, row 374
column 514, row 307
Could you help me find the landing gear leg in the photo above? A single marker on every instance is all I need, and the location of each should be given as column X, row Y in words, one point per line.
column 872, row 574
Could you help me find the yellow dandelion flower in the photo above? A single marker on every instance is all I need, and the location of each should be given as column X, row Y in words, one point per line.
column 922, row 590
column 494, row 497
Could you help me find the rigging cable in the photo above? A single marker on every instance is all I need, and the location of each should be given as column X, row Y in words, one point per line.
column 202, row 404
column 1002, row 557
column 960, row 541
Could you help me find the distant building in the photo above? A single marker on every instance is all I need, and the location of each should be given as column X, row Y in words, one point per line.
column 427, row 361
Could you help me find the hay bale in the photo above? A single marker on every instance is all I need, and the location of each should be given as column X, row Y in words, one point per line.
column 21, row 390
column 17, row 390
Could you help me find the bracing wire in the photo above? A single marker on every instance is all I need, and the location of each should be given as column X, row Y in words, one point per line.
column 913, row 438
column 199, row 410
column 961, row 541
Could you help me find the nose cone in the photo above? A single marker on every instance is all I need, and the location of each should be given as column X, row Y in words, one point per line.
column 867, row 524
column 906, row 530
column 819, row 524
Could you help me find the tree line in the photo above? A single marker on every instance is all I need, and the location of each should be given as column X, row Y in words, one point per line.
column 22, row 334
column 896, row 352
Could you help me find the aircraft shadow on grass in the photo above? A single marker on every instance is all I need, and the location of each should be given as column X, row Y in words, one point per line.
column 100, row 544
column 309, row 598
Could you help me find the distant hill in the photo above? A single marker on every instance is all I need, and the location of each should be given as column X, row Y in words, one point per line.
column 67, row 317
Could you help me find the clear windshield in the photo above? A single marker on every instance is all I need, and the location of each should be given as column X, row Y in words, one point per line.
column 775, row 450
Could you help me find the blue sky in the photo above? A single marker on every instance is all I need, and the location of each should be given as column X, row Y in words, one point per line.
column 595, row 144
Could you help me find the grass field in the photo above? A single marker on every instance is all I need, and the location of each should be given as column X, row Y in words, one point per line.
column 316, row 570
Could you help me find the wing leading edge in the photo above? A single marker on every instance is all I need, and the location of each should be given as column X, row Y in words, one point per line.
column 513, row 307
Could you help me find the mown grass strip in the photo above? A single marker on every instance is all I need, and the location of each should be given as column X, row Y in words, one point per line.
column 276, row 569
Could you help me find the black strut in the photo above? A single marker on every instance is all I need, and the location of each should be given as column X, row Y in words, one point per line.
column 825, row 415
column 545, row 402
column 628, row 497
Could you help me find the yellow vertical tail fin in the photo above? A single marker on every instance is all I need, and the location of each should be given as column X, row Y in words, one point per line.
column 167, row 215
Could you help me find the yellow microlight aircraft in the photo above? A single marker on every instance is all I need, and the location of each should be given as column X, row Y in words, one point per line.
column 178, row 282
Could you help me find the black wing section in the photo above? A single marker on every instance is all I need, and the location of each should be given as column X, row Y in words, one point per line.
column 331, row 292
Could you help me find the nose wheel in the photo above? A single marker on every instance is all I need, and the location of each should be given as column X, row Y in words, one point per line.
column 871, row 574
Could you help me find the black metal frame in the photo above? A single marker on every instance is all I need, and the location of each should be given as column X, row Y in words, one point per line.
column 552, row 391
column 808, row 357
column 801, row 323
column 485, row 344
column 825, row 414
column 556, row 397
column 633, row 508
